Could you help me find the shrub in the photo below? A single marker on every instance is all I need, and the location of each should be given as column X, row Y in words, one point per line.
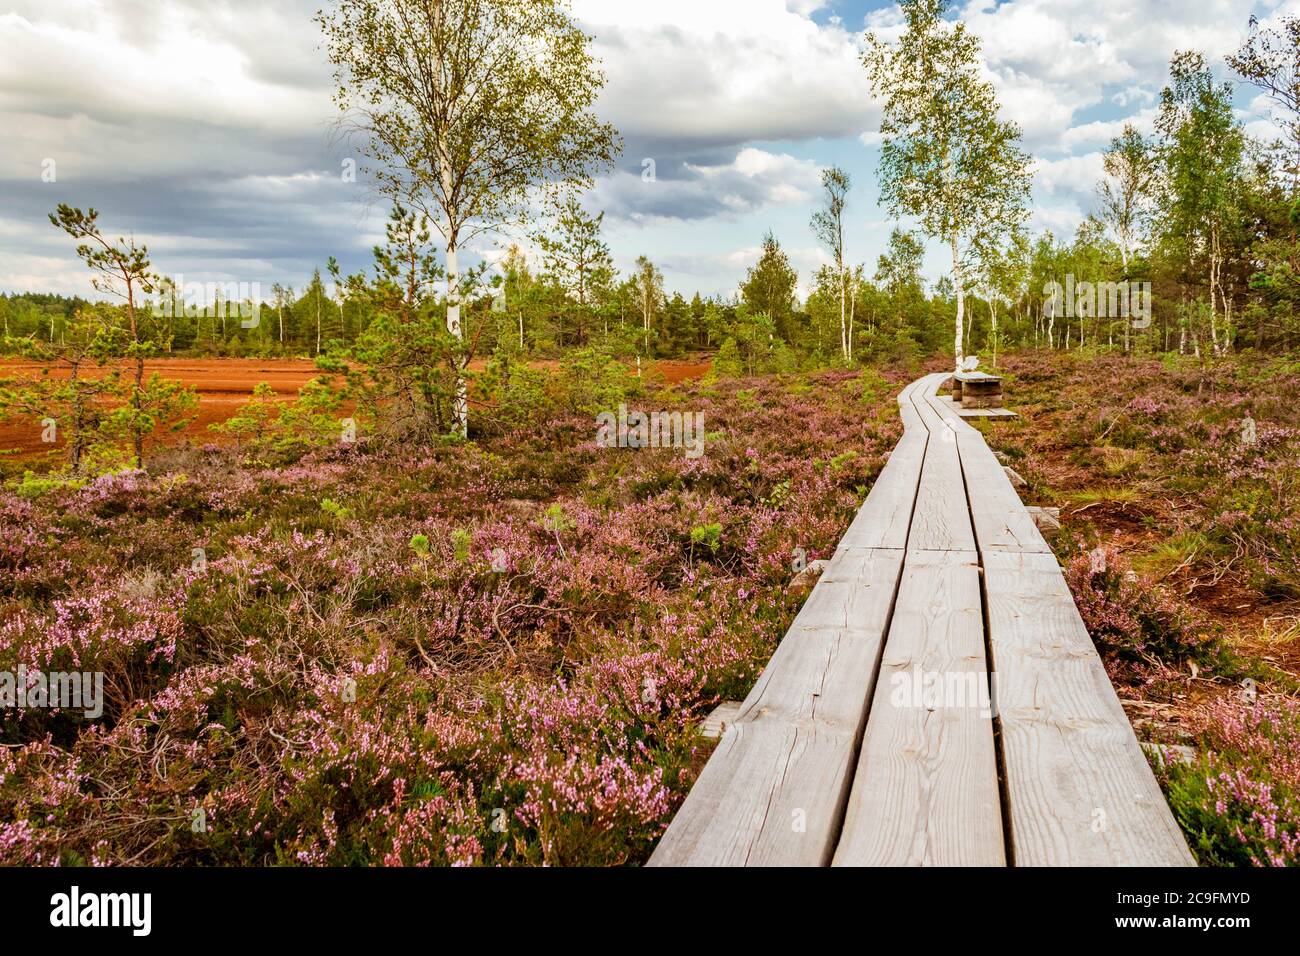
column 1138, row 627
column 1239, row 800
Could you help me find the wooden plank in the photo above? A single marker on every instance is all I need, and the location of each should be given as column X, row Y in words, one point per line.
column 773, row 793
column 947, row 410
column 1080, row 792
column 941, row 519
column 722, row 716
column 1047, row 520
column 925, row 791
column 997, row 513
column 1001, row 521
column 883, row 519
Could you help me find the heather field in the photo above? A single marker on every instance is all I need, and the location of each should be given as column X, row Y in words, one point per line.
column 492, row 652
column 500, row 651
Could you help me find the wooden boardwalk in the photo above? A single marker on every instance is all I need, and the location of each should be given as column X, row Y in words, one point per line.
column 937, row 701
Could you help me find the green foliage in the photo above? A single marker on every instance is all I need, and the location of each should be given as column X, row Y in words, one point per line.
column 460, row 542
column 335, row 510
column 579, row 260
column 873, row 387
column 267, row 428
column 38, row 486
column 707, row 536
column 841, row 460
column 778, row 495
column 591, row 380
column 727, row 363
column 753, row 348
column 251, row 423
column 769, row 289
column 312, row 420
column 556, row 520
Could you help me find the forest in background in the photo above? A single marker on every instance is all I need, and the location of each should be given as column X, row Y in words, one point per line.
column 1205, row 213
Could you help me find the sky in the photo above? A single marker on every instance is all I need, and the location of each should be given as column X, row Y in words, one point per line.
column 204, row 128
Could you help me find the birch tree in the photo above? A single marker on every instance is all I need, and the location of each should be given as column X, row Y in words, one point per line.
column 1124, row 194
column 281, row 296
column 828, row 227
column 1130, row 173
column 468, row 109
column 946, row 160
column 1269, row 59
column 1004, row 274
column 1201, row 151
column 649, row 284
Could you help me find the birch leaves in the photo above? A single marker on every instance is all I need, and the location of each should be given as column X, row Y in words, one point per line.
column 946, row 159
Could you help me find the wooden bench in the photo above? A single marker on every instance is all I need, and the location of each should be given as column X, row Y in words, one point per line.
column 977, row 390
column 937, row 700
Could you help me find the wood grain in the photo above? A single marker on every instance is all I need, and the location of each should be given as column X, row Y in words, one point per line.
column 773, row 792
column 1079, row 789
column 941, row 520
column 925, row 792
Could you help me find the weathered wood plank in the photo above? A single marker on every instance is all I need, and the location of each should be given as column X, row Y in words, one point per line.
column 716, row 724
column 1000, row 519
column 994, row 413
column 947, row 410
column 941, row 520
column 773, row 793
column 883, row 519
column 1079, row 790
column 925, row 791
column 997, row 513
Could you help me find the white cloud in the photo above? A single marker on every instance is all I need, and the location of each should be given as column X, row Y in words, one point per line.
column 1056, row 58
column 1072, row 174
column 726, row 72
column 1099, row 133
column 752, row 180
column 1133, row 94
column 191, row 72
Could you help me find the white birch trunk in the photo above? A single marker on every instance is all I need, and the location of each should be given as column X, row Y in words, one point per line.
column 461, row 404
column 961, row 296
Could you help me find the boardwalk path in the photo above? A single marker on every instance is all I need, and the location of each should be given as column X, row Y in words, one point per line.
column 876, row 736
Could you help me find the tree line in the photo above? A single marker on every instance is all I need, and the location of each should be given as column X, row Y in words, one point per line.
column 1199, row 212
